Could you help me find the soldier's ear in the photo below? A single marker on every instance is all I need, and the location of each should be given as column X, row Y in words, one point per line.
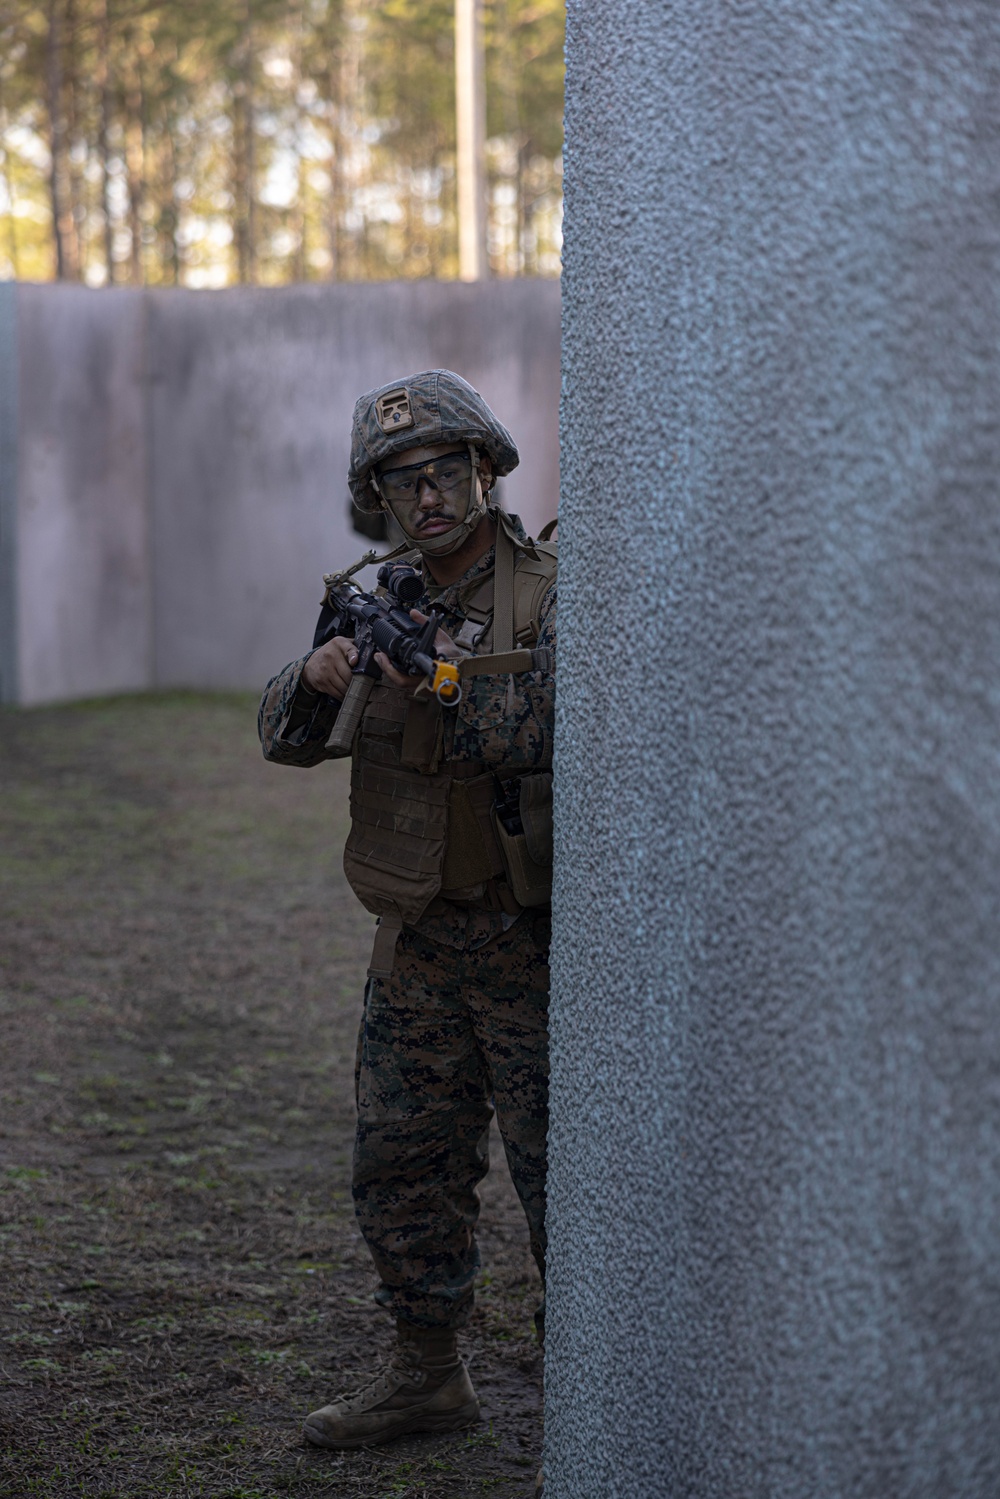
column 486, row 471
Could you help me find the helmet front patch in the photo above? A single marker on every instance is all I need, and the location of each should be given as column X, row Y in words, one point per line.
column 392, row 411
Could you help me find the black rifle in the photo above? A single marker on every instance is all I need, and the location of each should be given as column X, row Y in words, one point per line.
column 381, row 624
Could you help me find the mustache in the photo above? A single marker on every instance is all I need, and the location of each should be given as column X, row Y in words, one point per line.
column 443, row 512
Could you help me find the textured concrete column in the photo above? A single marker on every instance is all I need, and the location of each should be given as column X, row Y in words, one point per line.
column 775, row 1203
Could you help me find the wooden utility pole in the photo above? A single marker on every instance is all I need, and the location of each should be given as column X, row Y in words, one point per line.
column 470, row 109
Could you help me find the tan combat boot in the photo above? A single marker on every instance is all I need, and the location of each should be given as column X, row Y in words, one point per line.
column 424, row 1386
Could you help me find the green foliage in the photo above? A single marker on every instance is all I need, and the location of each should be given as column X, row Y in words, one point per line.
column 201, row 142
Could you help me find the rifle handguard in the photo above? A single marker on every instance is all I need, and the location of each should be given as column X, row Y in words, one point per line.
column 350, row 714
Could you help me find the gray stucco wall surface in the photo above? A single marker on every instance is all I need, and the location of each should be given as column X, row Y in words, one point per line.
column 84, row 606
column 173, row 464
column 8, row 494
column 775, row 1175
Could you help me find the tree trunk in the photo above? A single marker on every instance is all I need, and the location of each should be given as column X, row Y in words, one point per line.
column 53, row 81
column 8, row 184
column 135, row 163
column 76, row 197
column 299, row 216
column 251, row 181
column 351, row 114
column 104, row 51
column 244, row 205
column 241, row 227
column 170, row 217
column 336, row 179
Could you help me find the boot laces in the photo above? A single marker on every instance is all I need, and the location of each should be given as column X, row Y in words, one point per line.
column 403, row 1362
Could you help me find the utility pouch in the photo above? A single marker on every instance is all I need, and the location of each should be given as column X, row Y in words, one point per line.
column 522, row 820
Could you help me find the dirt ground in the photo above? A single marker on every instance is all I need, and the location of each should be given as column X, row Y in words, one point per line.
column 181, row 969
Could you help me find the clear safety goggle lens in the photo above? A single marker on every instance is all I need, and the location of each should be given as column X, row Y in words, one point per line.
column 453, row 471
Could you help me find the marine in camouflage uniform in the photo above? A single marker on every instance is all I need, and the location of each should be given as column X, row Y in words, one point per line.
column 455, row 1012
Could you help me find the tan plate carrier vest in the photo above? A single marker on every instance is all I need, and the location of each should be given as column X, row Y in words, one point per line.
column 423, row 827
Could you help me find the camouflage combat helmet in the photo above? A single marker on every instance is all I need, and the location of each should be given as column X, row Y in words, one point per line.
column 433, row 407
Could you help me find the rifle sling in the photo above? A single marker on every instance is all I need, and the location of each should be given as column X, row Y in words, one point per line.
column 500, row 663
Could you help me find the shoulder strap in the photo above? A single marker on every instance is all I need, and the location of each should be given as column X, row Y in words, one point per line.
column 503, row 593
column 521, row 578
column 548, row 528
column 348, row 572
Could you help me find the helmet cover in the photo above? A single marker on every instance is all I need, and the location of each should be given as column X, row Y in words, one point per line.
column 436, row 406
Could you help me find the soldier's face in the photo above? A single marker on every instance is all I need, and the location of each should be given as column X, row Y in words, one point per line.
column 428, row 488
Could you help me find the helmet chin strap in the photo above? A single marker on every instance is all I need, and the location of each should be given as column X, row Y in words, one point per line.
column 449, row 541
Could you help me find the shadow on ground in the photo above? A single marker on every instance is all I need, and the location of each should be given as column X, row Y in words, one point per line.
column 180, row 982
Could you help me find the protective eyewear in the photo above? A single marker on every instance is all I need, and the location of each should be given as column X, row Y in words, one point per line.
column 446, row 474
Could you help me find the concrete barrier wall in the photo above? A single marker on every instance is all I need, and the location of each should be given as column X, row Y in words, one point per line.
column 172, row 480
column 775, row 1180
column 84, row 602
column 8, row 494
column 251, row 400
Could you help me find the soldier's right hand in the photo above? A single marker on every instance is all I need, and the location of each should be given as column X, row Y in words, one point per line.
column 329, row 668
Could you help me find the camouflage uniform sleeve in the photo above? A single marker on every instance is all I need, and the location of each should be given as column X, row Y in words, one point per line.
column 507, row 721
column 294, row 723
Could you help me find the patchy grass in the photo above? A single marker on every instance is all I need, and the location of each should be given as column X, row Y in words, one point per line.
column 180, row 982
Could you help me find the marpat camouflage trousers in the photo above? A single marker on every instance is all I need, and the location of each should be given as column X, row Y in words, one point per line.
column 449, row 1030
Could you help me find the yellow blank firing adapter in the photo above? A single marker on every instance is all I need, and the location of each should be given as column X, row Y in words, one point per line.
column 445, row 683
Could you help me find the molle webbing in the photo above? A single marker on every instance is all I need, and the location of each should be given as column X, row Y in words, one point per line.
column 420, row 834
column 423, row 826
column 396, row 843
column 414, row 835
column 472, row 854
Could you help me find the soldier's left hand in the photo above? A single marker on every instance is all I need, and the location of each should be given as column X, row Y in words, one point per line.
column 443, row 646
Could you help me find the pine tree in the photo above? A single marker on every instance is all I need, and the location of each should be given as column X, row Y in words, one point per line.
column 203, row 143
